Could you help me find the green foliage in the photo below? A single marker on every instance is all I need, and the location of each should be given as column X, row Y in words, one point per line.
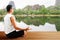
column 2, row 12
column 18, row 12
column 55, row 10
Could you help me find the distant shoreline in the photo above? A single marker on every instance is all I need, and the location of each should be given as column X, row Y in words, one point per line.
column 35, row 15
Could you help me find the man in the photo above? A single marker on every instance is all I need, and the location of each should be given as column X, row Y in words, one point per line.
column 10, row 25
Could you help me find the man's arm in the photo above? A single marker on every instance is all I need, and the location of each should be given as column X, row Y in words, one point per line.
column 14, row 24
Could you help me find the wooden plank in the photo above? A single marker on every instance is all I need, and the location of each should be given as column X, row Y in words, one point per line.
column 43, row 35
column 43, row 39
column 38, row 36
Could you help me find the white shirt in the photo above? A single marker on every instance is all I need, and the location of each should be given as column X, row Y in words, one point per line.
column 8, row 27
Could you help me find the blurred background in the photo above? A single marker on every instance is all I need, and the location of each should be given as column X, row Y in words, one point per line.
column 36, row 12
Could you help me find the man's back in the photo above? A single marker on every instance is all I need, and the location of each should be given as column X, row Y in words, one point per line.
column 8, row 26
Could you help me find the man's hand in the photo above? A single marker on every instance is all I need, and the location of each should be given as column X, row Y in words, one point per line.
column 27, row 29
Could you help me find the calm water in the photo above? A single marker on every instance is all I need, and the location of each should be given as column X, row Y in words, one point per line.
column 39, row 20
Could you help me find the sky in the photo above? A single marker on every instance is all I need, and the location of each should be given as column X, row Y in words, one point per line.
column 22, row 3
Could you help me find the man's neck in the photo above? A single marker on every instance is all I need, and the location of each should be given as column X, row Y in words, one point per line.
column 9, row 13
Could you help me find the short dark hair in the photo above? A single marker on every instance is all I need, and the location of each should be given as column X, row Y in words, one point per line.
column 8, row 7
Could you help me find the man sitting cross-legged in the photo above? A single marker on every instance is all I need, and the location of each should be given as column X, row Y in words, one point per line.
column 10, row 25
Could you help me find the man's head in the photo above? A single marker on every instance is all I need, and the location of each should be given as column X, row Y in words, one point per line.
column 9, row 8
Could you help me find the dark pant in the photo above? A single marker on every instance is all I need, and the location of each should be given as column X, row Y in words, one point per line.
column 15, row 34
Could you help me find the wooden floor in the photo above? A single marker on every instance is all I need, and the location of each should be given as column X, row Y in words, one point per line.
column 41, row 36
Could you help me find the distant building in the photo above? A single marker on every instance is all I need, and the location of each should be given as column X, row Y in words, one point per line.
column 12, row 3
column 57, row 3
